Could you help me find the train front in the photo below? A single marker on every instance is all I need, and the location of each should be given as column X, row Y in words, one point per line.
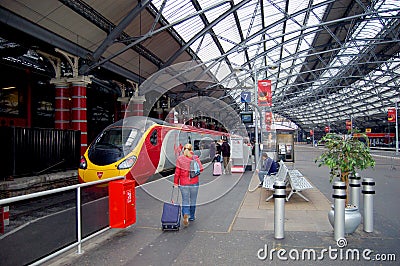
column 113, row 153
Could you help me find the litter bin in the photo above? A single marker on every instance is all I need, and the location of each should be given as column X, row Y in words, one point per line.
column 122, row 203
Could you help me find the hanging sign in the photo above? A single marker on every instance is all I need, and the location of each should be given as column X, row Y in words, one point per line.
column 245, row 97
column 268, row 120
column 392, row 115
column 264, row 93
column 348, row 124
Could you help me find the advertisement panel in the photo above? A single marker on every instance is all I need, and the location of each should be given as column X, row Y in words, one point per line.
column 392, row 115
column 264, row 93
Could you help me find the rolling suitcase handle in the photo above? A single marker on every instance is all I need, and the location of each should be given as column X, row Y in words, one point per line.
column 172, row 195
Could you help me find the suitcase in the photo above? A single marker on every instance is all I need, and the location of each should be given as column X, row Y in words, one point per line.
column 171, row 216
column 217, row 168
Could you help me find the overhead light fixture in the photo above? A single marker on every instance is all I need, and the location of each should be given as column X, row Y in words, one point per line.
column 8, row 88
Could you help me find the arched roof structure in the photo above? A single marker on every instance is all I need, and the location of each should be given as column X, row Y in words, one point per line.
column 328, row 60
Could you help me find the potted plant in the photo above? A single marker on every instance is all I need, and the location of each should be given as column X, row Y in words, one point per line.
column 344, row 155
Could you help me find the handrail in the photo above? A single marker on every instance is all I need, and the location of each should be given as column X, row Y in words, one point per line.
column 55, row 190
column 78, row 187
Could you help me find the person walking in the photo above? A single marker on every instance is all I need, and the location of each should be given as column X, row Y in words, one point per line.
column 189, row 186
column 226, row 154
column 213, row 150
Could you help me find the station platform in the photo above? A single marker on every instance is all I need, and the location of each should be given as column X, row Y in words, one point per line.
column 235, row 226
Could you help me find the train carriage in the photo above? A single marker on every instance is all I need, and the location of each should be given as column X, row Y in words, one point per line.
column 139, row 147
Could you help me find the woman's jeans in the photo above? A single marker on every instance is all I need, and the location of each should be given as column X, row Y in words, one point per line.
column 189, row 197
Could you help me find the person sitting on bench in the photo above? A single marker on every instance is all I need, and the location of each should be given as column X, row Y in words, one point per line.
column 268, row 167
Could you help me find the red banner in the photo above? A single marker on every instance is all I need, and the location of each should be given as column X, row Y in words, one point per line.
column 268, row 120
column 264, row 93
column 327, row 129
column 392, row 115
column 348, row 124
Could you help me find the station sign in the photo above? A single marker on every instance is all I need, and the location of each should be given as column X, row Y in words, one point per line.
column 245, row 97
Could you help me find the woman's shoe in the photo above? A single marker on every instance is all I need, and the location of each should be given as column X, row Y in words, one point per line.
column 186, row 219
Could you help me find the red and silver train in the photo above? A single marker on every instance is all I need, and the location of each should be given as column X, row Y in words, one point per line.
column 139, row 147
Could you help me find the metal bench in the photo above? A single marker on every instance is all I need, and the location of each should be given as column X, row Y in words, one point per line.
column 269, row 180
column 298, row 183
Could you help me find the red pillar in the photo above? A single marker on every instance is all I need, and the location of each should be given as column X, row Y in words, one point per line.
column 78, row 108
column 62, row 104
column 136, row 105
column 125, row 110
column 160, row 113
column 170, row 116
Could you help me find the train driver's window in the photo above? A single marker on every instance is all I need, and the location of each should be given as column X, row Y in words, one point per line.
column 153, row 138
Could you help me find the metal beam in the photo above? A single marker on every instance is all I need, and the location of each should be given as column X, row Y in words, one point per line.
column 116, row 32
column 204, row 31
column 48, row 37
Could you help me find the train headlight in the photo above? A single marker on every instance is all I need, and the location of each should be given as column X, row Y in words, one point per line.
column 83, row 163
column 127, row 163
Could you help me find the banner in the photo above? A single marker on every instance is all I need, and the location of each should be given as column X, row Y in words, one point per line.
column 268, row 120
column 264, row 93
column 392, row 115
column 327, row 129
column 348, row 124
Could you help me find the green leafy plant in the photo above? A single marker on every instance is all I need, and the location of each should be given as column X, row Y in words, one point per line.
column 344, row 155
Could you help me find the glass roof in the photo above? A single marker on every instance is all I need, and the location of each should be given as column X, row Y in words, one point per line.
column 333, row 59
column 330, row 67
column 328, row 60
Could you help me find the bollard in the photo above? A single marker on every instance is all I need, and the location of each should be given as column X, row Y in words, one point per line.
column 368, row 191
column 339, row 196
column 279, row 209
column 355, row 187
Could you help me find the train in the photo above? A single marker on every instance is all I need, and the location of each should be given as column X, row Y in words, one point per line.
column 140, row 147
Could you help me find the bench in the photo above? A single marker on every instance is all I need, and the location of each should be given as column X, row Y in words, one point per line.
column 281, row 175
column 298, row 183
column 294, row 177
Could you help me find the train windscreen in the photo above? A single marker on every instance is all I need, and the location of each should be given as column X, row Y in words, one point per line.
column 113, row 144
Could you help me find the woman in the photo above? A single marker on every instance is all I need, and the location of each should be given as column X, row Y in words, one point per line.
column 188, row 186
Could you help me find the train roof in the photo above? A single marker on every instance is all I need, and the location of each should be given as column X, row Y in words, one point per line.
column 146, row 122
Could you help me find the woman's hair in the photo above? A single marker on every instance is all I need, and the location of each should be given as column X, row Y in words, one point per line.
column 187, row 150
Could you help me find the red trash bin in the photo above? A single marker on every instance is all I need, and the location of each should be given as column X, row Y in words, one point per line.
column 122, row 207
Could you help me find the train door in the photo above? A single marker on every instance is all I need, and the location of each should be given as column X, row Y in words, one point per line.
column 153, row 146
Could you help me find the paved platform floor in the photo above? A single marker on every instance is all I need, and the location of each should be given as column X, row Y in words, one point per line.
column 235, row 227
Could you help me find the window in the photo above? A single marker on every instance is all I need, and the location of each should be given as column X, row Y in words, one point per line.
column 153, row 138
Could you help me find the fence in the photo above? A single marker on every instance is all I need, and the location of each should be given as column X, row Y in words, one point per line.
column 36, row 150
column 21, row 255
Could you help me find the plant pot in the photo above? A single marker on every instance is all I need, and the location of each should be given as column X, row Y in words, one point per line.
column 352, row 218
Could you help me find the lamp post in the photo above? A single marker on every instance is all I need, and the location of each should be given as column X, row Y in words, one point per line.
column 256, row 144
column 255, row 105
